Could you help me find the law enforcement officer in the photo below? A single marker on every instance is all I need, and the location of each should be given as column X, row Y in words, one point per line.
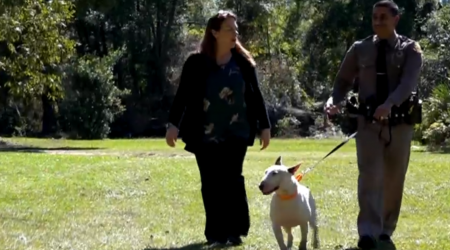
column 388, row 67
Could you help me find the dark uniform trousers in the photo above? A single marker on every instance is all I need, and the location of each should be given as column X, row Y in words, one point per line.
column 381, row 178
column 383, row 159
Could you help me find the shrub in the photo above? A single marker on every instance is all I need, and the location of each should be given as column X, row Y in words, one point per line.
column 92, row 100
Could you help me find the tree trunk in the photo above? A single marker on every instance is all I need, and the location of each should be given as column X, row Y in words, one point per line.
column 48, row 116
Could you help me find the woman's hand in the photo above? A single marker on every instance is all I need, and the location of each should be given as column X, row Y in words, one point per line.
column 171, row 135
column 265, row 138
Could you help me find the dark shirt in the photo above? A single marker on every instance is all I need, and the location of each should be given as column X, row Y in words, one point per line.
column 225, row 105
column 187, row 111
column 403, row 62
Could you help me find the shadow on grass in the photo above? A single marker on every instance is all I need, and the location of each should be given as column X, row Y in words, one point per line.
column 201, row 246
column 384, row 247
column 7, row 147
column 193, row 246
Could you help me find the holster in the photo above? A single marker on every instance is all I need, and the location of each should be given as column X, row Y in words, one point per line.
column 348, row 121
column 411, row 109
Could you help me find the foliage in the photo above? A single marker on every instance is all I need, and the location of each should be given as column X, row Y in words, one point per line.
column 92, row 101
column 437, row 51
column 435, row 128
column 287, row 127
column 298, row 46
column 34, row 37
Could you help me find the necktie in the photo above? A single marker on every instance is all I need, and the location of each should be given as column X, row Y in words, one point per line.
column 381, row 68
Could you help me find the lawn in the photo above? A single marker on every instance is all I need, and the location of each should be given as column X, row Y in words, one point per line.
column 139, row 194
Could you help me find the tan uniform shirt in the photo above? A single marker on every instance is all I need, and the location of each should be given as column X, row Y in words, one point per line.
column 404, row 64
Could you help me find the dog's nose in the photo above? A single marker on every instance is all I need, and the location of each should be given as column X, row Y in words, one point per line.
column 261, row 186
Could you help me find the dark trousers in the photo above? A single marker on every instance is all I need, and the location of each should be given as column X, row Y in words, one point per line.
column 223, row 189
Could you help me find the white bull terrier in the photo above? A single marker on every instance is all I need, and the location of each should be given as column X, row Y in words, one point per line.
column 292, row 205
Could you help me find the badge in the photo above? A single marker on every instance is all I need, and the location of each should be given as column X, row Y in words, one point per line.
column 416, row 47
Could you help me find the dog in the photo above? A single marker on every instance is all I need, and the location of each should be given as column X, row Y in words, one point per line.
column 292, row 205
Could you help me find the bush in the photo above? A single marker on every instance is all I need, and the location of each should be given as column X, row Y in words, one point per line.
column 434, row 130
column 287, row 127
column 92, row 101
column 435, row 82
column 437, row 135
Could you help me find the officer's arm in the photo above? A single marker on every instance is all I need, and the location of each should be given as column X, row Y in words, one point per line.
column 410, row 77
column 343, row 82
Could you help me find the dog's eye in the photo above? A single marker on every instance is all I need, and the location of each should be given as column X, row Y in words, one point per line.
column 274, row 172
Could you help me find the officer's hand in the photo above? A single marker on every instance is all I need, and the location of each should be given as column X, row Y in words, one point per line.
column 383, row 111
column 331, row 109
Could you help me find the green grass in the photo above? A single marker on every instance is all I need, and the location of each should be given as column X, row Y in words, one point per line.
column 139, row 194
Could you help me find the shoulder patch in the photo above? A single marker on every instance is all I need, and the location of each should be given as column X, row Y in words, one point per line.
column 416, row 47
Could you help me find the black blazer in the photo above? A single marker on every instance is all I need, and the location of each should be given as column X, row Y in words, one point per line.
column 187, row 113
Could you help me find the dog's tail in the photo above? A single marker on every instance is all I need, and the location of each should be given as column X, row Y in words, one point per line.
column 313, row 222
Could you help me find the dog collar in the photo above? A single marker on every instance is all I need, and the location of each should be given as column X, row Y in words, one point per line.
column 287, row 197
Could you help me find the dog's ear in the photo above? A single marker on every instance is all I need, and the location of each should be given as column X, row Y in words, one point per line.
column 295, row 168
column 279, row 161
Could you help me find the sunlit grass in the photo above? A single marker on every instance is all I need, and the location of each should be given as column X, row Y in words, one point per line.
column 139, row 194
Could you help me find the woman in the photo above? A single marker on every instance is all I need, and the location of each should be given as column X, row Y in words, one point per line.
column 218, row 108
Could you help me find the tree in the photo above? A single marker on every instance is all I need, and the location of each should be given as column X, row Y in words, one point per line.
column 35, row 44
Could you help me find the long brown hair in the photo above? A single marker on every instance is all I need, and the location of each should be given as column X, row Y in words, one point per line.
column 208, row 44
